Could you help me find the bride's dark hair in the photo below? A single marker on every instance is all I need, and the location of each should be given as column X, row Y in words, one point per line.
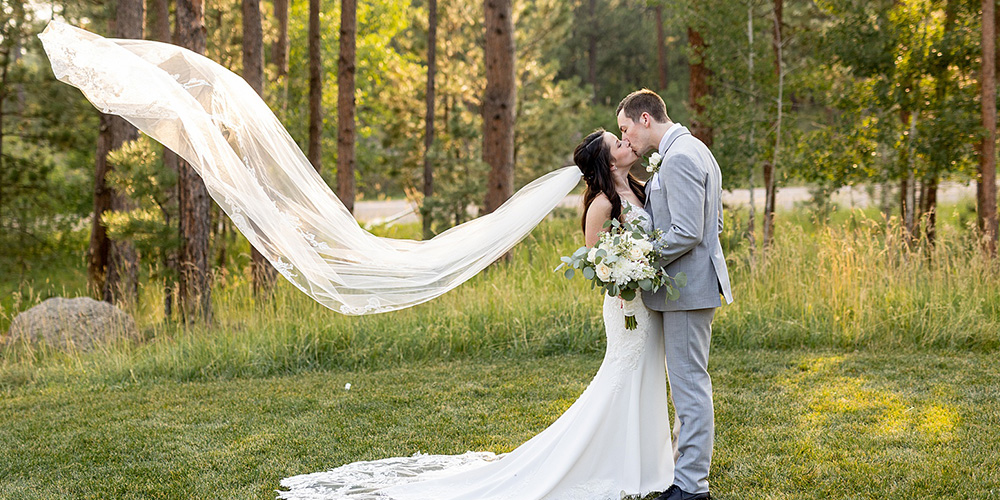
column 593, row 158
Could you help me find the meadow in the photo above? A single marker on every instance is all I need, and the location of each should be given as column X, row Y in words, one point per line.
column 852, row 365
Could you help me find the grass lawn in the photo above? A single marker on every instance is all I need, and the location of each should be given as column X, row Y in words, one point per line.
column 790, row 424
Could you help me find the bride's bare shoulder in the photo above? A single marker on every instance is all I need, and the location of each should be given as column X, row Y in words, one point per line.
column 600, row 204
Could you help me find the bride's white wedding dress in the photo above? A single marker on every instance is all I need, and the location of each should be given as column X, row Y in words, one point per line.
column 613, row 442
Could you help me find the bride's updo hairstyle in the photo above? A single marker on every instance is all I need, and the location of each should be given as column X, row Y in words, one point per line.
column 593, row 157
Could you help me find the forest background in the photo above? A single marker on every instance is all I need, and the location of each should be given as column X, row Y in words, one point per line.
column 887, row 94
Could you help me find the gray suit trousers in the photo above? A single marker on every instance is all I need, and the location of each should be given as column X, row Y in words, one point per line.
column 687, row 335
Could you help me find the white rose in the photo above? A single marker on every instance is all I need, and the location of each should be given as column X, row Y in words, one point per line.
column 635, row 253
column 654, row 162
column 645, row 245
column 592, row 254
column 603, row 272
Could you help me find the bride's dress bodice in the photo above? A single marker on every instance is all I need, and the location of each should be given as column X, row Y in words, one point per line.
column 625, row 347
column 612, row 443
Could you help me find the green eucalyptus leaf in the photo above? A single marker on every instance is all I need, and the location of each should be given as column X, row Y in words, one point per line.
column 569, row 273
column 588, row 273
column 681, row 279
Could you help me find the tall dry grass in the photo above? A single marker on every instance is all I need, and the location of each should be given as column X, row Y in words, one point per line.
column 851, row 284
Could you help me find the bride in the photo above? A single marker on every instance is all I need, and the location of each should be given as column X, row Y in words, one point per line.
column 613, row 442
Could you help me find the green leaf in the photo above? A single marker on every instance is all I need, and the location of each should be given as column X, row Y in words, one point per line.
column 569, row 273
column 607, row 224
column 646, row 284
column 628, row 294
column 681, row 279
column 588, row 273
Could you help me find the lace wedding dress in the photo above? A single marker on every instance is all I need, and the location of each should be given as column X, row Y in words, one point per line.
column 612, row 443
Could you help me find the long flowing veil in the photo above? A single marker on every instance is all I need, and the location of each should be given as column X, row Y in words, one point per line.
column 255, row 171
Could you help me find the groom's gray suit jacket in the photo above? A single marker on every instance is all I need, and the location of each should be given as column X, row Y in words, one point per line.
column 687, row 207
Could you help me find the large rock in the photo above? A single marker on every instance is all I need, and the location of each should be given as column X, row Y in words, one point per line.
column 78, row 323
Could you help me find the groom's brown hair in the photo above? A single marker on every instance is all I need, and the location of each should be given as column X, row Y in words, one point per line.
column 643, row 101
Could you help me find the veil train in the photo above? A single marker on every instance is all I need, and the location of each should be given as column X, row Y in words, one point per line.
column 254, row 170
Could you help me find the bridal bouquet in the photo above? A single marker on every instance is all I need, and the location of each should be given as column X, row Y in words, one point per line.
column 622, row 264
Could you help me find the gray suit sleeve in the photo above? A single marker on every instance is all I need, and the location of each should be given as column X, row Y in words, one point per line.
column 721, row 227
column 685, row 189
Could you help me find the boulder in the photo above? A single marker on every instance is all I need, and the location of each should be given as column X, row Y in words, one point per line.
column 78, row 323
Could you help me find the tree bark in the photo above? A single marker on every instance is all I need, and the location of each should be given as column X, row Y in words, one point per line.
column 158, row 28
column 698, row 88
column 345, row 103
column 986, row 191
column 97, row 253
column 907, row 183
column 315, row 88
column 592, row 21
column 261, row 273
column 279, row 51
column 928, row 207
column 429, row 113
column 661, row 47
column 770, row 181
column 119, row 273
column 3, row 97
column 194, row 204
column 752, row 215
column 253, row 46
column 498, row 102
column 158, row 20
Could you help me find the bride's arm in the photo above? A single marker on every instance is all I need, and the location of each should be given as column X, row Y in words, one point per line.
column 597, row 214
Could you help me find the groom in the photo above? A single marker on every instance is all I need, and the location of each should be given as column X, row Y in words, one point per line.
column 684, row 199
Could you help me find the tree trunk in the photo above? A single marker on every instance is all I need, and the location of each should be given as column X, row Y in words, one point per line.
column 3, row 97
column 194, row 204
column 97, row 254
column 120, row 261
column 499, row 102
column 752, row 164
column 345, row 103
column 592, row 21
column 661, row 48
column 121, row 280
column 698, row 90
column 429, row 113
column 910, row 216
column 986, row 190
column 261, row 273
column 928, row 206
column 770, row 181
column 315, row 89
column 253, row 46
column 279, row 51
column 158, row 20
column 158, row 24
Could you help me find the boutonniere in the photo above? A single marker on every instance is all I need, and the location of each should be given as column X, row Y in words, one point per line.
column 654, row 163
